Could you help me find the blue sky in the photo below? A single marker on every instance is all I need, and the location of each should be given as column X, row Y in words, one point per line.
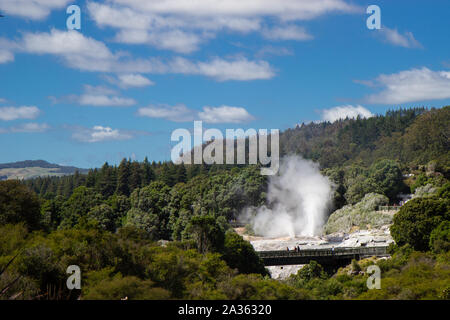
column 137, row 70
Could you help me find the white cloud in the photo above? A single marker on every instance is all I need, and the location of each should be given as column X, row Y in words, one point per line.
column 130, row 80
column 96, row 96
column 6, row 56
column 73, row 47
column 177, row 113
column 343, row 112
column 174, row 40
column 88, row 54
column 31, row 9
column 98, row 90
column 225, row 114
column 31, row 127
column 290, row 32
column 223, row 70
column 84, row 53
column 406, row 40
column 14, row 113
column 181, row 113
column 105, row 101
column 283, row 9
column 182, row 25
column 100, row 134
column 412, row 85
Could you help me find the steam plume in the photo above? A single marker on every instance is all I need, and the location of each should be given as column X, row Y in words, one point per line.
column 298, row 200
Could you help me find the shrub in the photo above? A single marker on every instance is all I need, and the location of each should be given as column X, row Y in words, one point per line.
column 440, row 238
column 416, row 220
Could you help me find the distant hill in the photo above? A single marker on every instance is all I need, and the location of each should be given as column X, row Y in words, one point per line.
column 35, row 168
column 410, row 136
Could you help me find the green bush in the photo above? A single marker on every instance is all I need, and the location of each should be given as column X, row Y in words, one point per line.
column 416, row 220
column 18, row 204
column 440, row 238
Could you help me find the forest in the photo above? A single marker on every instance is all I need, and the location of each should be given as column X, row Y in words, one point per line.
column 147, row 230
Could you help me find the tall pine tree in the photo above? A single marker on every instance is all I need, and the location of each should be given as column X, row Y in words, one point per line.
column 123, row 178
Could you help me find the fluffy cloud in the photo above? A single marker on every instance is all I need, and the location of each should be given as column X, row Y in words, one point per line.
column 282, row 9
column 6, row 56
column 240, row 69
column 180, row 113
column 100, row 134
column 105, row 101
column 87, row 54
column 182, row 25
column 412, row 85
column 225, row 114
column 31, row 9
column 14, row 113
column 174, row 40
column 177, row 113
column 406, row 40
column 130, row 80
column 343, row 112
column 223, row 70
column 97, row 96
column 77, row 50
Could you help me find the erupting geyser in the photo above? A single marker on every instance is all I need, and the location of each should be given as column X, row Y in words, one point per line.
column 298, row 200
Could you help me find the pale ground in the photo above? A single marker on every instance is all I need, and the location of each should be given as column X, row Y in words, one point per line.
column 29, row 172
column 369, row 238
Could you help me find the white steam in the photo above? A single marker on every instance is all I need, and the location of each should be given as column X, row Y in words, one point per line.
column 298, row 200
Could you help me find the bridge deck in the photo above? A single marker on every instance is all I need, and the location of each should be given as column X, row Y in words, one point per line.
column 322, row 256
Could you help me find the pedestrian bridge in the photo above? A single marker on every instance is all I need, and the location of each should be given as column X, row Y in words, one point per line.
column 325, row 256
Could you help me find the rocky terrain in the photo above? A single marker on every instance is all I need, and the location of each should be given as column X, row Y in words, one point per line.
column 356, row 238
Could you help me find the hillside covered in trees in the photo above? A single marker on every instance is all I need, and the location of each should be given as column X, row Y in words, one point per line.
column 115, row 221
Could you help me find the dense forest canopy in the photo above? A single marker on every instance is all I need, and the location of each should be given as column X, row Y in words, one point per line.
column 115, row 221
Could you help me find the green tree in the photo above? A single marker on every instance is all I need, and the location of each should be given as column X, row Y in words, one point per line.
column 147, row 173
column 129, row 287
column 440, row 238
column 144, row 220
column 387, row 177
column 416, row 220
column 241, row 255
column 207, row 234
column 104, row 215
column 78, row 205
column 135, row 176
column 18, row 204
column 123, row 178
column 311, row 271
column 51, row 211
column 106, row 182
column 181, row 174
column 154, row 200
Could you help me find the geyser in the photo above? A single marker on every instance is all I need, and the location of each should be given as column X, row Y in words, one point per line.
column 298, row 200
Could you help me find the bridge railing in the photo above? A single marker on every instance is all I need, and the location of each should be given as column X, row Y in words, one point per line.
column 341, row 251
